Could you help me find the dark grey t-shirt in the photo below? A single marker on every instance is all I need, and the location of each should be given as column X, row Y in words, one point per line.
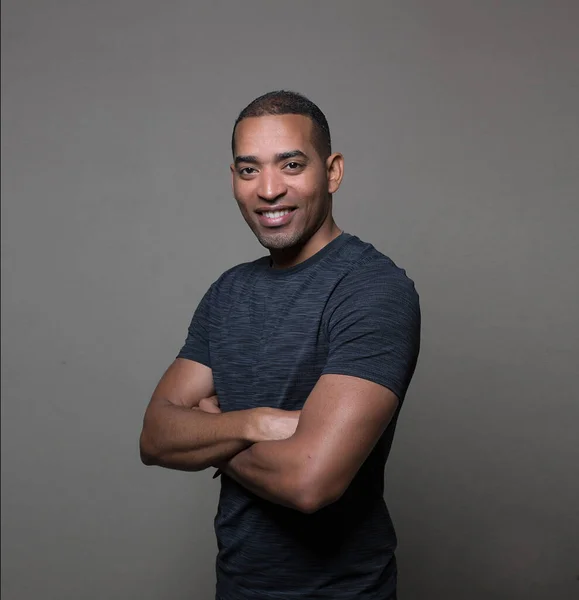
column 268, row 335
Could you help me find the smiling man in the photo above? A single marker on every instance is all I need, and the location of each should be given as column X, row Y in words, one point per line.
column 292, row 377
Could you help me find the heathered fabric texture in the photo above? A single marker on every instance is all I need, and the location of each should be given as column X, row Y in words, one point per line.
column 268, row 335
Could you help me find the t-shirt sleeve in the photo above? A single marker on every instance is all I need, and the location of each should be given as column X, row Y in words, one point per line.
column 374, row 328
column 196, row 345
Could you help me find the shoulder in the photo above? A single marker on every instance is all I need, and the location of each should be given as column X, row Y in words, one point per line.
column 372, row 323
column 373, row 279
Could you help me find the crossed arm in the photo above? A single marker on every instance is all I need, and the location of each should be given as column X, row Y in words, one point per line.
column 340, row 423
column 178, row 434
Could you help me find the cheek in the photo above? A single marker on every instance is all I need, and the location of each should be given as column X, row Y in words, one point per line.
column 313, row 192
column 306, row 187
column 241, row 193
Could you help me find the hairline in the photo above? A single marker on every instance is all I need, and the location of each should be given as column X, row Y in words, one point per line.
column 315, row 135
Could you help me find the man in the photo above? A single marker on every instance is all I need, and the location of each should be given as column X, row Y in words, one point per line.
column 292, row 376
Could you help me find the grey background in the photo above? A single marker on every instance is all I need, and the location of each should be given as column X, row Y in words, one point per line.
column 459, row 125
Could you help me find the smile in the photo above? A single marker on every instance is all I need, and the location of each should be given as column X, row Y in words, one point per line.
column 277, row 213
column 276, row 218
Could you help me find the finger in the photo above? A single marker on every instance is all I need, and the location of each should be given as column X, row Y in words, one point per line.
column 207, row 406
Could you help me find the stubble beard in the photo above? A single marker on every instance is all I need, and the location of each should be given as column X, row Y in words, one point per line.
column 279, row 240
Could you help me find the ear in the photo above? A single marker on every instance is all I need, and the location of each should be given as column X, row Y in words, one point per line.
column 335, row 171
column 232, row 169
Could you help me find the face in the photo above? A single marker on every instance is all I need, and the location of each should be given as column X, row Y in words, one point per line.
column 282, row 185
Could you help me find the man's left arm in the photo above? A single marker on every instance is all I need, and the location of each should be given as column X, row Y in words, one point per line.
column 340, row 423
column 374, row 341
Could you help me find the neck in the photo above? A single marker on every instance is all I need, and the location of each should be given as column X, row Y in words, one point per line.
column 290, row 257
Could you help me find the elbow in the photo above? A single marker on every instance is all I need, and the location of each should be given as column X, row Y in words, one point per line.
column 153, row 448
column 155, row 453
column 310, row 496
column 148, row 443
column 147, row 459
column 308, row 505
column 148, row 450
column 312, row 501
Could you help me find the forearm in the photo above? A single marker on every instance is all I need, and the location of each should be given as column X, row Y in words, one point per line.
column 273, row 471
column 187, row 439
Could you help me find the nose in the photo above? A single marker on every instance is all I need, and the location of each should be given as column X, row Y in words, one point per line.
column 271, row 185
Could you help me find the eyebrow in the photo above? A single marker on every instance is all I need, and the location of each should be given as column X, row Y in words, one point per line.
column 251, row 159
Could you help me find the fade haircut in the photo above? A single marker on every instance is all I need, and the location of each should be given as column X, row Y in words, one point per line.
column 282, row 102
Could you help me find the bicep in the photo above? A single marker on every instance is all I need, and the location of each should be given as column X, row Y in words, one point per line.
column 184, row 383
column 374, row 340
column 341, row 422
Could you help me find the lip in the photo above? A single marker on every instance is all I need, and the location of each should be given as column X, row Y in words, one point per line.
column 278, row 221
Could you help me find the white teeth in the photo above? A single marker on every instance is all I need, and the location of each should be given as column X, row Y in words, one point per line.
column 276, row 214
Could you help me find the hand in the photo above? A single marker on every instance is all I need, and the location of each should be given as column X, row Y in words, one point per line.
column 269, row 424
column 210, row 405
column 274, row 424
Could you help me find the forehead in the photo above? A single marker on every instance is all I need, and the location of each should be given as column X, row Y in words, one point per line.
column 274, row 133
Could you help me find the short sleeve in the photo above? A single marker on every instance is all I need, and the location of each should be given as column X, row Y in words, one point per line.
column 374, row 328
column 196, row 345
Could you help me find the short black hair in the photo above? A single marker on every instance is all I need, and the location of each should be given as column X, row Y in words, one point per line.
column 283, row 102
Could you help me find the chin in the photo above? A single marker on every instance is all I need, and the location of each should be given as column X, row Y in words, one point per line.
column 279, row 241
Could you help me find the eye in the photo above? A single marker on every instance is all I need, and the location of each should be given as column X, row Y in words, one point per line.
column 247, row 171
column 292, row 166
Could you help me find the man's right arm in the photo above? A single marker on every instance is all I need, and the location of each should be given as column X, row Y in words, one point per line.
column 177, row 435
